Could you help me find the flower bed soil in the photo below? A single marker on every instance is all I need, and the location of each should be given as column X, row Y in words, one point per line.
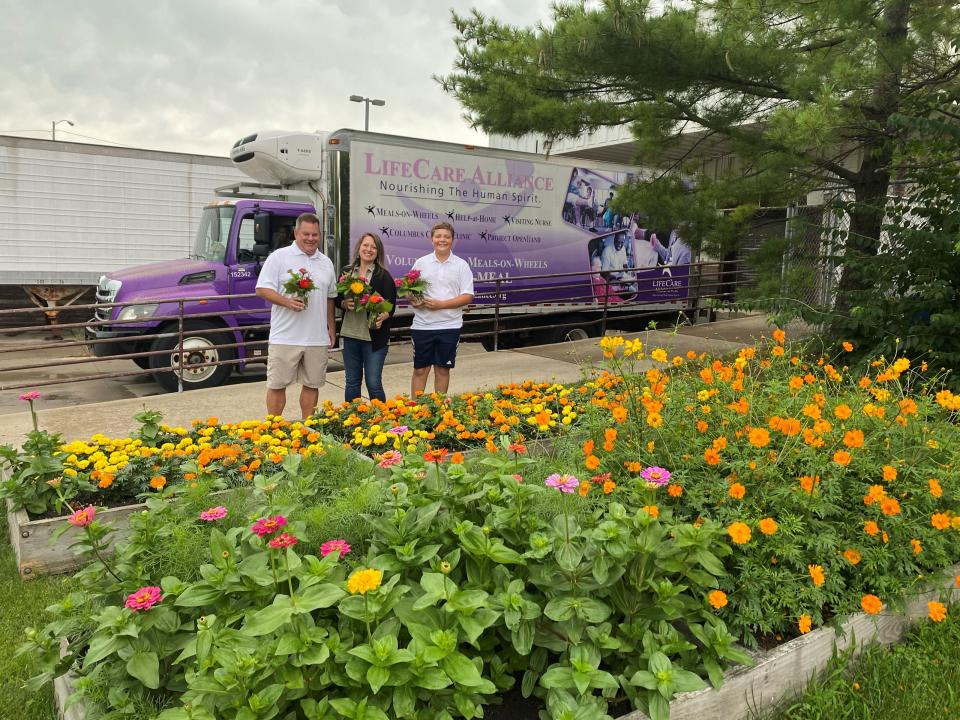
column 776, row 674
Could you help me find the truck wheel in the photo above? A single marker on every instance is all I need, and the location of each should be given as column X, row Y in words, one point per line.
column 571, row 334
column 198, row 350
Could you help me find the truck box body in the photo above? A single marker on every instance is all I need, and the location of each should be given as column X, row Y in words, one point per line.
column 72, row 211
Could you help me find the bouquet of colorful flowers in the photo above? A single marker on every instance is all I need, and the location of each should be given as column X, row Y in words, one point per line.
column 411, row 286
column 353, row 286
column 374, row 304
column 299, row 285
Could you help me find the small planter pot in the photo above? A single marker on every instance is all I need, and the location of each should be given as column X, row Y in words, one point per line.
column 786, row 670
column 35, row 552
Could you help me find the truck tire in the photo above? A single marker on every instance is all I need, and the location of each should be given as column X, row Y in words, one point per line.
column 570, row 334
column 198, row 349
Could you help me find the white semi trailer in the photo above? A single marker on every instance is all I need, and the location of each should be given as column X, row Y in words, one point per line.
column 73, row 211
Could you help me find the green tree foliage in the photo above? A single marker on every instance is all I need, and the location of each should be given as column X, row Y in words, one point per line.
column 805, row 93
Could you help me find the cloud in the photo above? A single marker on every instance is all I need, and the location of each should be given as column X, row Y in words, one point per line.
column 196, row 76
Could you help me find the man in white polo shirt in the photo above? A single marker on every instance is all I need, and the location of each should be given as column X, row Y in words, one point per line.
column 300, row 335
column 438, row 319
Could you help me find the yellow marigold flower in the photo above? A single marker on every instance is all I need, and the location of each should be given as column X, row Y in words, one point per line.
column 871, row 604
column 718, row 599
column 363, row 581
column 804, row 624
column 739, row 533
column 937, row 611
column 768, row 526
column 816, row 574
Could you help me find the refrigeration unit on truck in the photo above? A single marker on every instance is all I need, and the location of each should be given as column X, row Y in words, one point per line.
column 517, row 216
column 72, row 211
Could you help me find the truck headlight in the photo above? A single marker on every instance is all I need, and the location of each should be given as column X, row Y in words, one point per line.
column 136, row 312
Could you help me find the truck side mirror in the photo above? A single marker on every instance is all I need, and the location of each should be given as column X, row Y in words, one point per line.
column 261, row 234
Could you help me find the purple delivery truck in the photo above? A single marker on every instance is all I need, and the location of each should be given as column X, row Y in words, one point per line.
column 517, row 216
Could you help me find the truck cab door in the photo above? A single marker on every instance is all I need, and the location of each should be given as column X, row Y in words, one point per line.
column 245, row 266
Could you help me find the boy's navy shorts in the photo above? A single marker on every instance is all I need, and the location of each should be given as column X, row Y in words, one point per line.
column 435, row 347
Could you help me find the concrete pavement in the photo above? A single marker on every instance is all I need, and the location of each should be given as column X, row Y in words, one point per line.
column 563, row 362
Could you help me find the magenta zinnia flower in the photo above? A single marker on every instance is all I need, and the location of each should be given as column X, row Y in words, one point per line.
column 30, row 396
column 398, row 430
column 82, row 518
column 268, row 525
column 390, row 457
column 337, row 546
column 656, row 476
column 283, row 540
column 144, row 598
column 563, row 483
column 214, row 513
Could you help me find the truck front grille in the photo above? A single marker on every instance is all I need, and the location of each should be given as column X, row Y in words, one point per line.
column 107, row 291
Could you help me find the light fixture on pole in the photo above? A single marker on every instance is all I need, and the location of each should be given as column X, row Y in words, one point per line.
column 53, row 127
column 367, row 102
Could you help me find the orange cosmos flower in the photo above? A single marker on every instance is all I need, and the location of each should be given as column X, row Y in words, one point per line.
column 584, row 488
column 917, row 547
column 941, row 521
column 853, row 438
column 768, row 526
column 777, row 351
column 852, row 556
column 457, row 458
column 592, row 462
column 718, row 599
column 739, row 533
column 609, row 486
column 804, row 624
column 876, row 494
column 588, row 447
column 935, row 488
column 674, row 491
column 871, row 528
column 702, row 426
column 779, row 335
column 808, row 482
column 619, row 414
column 842, row 412
column 889, row 506
column 871, row 604
column 759, row 437
column 889, row 473
column 848, row 346
column 816, row 574
column 737, row 491
column 796, row 382
column 711, row 456
column 651, row 510
column 842, row 458
column 937, row 611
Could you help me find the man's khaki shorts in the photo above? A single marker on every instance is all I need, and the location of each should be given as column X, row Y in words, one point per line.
column 287, row 364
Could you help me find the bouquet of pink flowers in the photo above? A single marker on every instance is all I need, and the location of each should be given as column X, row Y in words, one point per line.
column 374, row 304
column 411, row 286
column 299, row 285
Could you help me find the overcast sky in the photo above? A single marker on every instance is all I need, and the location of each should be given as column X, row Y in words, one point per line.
column 196, row 75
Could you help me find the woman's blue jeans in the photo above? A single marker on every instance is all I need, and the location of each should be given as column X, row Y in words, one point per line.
column 362, row 362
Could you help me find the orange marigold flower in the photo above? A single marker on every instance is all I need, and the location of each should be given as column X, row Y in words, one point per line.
column 808, row 482
column 609, row 486
column 720, row 443
column 619, row 413
column 711, row 456
column 937, row 611
column 889, row 506
column 768, row 526
column 779, row 335
column 871, row 604
column 157, row 482
column 737, row 491
column 777, row 351
column 588, row 447
column 759, row 437
column 702, row 426
column 876, row 494
column 592, row 462
column 941, row 521
column 457, row 458
column 651, row 510
column 707, row 376
column 632, row 466
column 842, row 457
column 889, row 473
column 917, row 546
column 106, row 480
column 674, row 491
column 871, row 528
column 842, row 411
column 853, row 556
column 853, row 438
column 804, row 624
column 796, row 382
column 718, row 599
column 816, row 574
column 584, row 488
column 739, row 533
column 935, row 488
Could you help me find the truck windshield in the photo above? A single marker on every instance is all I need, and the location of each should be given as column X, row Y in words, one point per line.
column 211, row 241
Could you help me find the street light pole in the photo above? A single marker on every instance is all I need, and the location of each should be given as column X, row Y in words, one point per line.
column 53, row 127
column 367, row 102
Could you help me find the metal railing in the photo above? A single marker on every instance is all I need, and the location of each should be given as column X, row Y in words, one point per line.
column 506, row 309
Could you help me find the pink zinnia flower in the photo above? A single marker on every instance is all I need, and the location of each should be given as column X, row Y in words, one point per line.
column 30, row 396
column 518, row 477
column 398, row 430
column 563, row 483
column 144, row 598
column 656, row 476
column 337, row 546
column 283, row 540
column 390, row 457
column 214, row 513
column 82, row 518
column 268, row 525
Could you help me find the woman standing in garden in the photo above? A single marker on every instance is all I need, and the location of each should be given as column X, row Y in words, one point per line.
column 365, row 340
